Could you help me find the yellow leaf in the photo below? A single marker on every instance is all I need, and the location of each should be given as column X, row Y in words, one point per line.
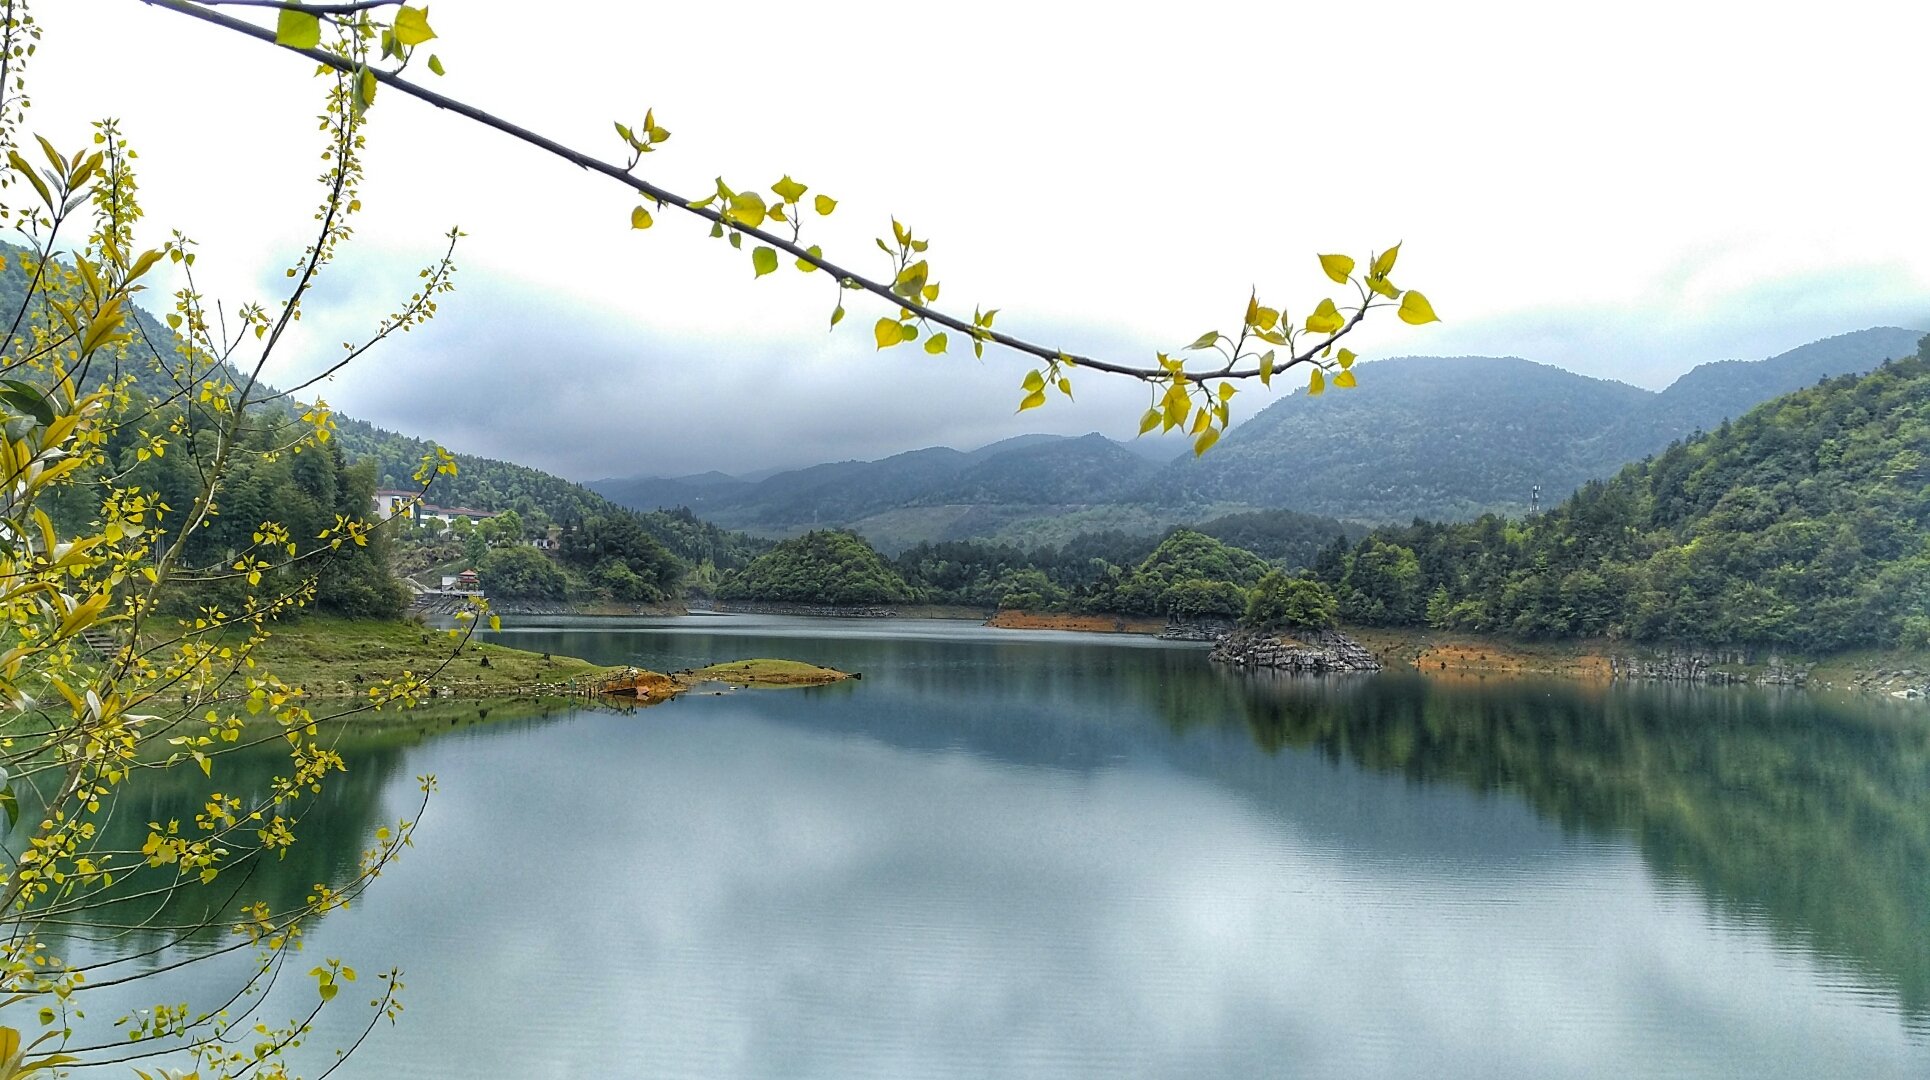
column 1415, row 309
column 788, row 189
column 1346, row 359
column 805, row 264
column 1384, row 262
column 1325, row 319
column 1383, row 286
column 297, row 29
column 1206, row 440
column 435, row 64
column 1033, row 381
column 746, row 208
column 1338, row 267
column 764, row 260
column 1316, row 383
column 826, row 204
column 935, row 344
column 1206, row 340
column 1344, row 380
column 837, row 316
column 1227, row 390
column 1149, row 421
column 911, row 280
column 640, row 218
column 1266, row 368
column 412, row 25
column 1032, row 400
column 887, row 333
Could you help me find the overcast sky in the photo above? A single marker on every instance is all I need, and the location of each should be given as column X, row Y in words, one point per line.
column 1624, row 190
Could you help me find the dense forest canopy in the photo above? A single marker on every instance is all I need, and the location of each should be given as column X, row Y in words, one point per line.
column 1804, row 524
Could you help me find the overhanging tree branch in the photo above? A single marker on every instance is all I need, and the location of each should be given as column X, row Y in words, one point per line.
column 1158, row 373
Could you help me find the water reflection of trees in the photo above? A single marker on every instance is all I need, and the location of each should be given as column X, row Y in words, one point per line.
column 1812, row 813
column 335, row 826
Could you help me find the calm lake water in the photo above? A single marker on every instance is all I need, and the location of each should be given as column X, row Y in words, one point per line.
column 1049, row 855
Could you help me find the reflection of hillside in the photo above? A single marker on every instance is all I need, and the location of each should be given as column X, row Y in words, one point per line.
column 1815, row 815
column 334, row 827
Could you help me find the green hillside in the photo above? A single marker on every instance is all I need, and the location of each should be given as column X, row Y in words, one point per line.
column 1452, row 438
column 1804, row 524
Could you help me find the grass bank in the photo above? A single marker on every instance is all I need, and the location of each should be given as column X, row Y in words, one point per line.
column 330, row 656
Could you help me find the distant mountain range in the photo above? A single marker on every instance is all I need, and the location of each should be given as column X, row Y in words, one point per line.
column 1442, row 438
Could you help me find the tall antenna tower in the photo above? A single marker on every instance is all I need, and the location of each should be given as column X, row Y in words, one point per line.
column 1534, row 500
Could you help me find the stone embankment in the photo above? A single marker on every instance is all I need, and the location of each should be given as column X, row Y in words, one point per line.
column 1310, row 652
column 1698, row 666
column 821, row 611
column 1197, row 630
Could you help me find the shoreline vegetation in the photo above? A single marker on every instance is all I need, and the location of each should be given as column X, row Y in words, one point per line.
column 333, row 657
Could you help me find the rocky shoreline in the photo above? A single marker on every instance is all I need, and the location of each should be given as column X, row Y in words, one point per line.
column 821, row 611
column 1701, row 667
column 1309, row 652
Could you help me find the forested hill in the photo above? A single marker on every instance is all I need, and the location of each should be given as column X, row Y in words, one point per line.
column 1805, row 524
column 1456, row 437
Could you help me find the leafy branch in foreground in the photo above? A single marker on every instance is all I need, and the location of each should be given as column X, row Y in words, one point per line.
column 148, row 547
column 1193, row 392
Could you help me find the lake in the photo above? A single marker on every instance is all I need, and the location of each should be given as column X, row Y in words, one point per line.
column 1054, row 855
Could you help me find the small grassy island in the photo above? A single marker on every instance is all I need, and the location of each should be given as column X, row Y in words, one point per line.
column 340, row 657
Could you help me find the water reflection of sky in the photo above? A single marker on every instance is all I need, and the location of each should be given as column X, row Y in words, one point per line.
column 771, row 901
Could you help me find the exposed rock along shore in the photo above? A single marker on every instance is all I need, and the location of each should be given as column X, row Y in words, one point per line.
column 822, row 611
column 1701, row 667
column 1310, row 652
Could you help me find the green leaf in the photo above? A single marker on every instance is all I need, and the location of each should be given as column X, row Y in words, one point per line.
column 435, row 64
column 640, row 218
column 837, row 316
column 908, row 332
column 1206, row 340
column 887, row 333
column 1415, row 309
column 826, row 204
column 412, row 25
column 11, row 804
column 1338, row 267
column 935, row 344
column 805, row 264
column 298, row 29
column 28, row 399
column 764, row 260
